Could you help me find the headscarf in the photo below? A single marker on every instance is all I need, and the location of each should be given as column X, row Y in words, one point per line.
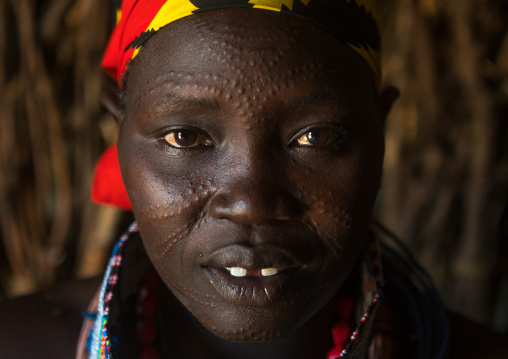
column 352, row 21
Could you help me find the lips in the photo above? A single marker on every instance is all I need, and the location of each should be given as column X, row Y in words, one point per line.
column 252, row 276
column 248, row 257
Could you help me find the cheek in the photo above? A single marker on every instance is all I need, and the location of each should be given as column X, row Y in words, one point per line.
column 340, row 201
column 166, row 221
column 167, row 207
column 330, row 220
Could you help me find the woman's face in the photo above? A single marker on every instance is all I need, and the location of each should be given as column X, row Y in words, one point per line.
column 251, row 150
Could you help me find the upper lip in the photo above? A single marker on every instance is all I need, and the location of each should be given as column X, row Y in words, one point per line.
column 249, row 257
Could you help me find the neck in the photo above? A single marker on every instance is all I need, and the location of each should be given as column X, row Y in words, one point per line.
column 312, row 340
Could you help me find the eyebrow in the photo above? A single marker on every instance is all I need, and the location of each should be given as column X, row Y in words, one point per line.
column 322, row 94
column 174, row 100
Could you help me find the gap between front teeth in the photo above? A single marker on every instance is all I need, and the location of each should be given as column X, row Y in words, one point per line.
column 242, row 272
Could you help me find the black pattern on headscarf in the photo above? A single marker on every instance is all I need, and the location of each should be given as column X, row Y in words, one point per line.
column 203, row 5
column 346, row 20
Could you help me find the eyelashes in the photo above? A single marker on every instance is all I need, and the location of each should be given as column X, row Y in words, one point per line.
column 316, row 136
column 186, row 138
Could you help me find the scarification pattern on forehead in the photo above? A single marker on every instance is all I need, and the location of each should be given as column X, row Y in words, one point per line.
column 231, row 43
column 248, row 95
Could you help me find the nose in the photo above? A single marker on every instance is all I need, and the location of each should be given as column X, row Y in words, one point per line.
column 254, row 198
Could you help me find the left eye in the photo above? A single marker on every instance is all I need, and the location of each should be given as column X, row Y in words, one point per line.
column 186, row 139
column 318, row 137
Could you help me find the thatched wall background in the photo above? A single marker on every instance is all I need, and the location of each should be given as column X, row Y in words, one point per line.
column 445, row 190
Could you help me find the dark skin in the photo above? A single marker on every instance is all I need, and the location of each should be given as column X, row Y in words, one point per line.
column 252, row 133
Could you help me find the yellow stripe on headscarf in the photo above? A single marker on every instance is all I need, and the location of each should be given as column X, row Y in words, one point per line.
column 274, row 4
column 171, row 11
column 118, row 15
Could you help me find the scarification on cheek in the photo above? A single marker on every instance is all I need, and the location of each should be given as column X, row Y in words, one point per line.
column 165, row 246
column 329, row 222
column 187, row 208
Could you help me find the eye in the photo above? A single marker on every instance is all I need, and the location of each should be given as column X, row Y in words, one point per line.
column 183, row 138
column 318, row 137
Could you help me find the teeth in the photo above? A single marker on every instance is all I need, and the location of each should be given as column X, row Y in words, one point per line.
column 266, row 272
column 238, row 272
column 242, row 272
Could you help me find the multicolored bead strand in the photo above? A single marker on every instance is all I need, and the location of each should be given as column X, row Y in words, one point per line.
column 101, row 347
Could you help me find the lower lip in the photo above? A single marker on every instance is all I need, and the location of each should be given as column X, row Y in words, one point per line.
column 252, row 291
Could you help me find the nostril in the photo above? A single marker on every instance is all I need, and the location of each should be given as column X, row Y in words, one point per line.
column 218, row 207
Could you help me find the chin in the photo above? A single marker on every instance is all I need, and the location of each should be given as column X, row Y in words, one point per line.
column 250, row 337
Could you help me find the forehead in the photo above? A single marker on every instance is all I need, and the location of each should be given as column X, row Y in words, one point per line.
column 246, row 45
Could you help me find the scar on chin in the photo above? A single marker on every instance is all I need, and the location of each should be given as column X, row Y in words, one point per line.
column 207, row 300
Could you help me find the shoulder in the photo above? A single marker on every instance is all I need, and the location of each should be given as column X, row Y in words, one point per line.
column 472, row 340
column 438, row 331
column 45, row 324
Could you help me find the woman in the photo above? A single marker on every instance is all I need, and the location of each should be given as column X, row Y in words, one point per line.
column 251, row 150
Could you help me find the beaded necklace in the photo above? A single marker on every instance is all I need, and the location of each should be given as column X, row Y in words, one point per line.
column 101, row 345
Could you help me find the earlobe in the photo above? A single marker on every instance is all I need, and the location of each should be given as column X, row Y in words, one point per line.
column 111, row 101
column 385, row 101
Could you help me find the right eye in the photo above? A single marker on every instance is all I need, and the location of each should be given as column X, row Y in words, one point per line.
column 183, row 138
column 318, row 137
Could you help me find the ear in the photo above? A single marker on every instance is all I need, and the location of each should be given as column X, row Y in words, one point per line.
column 111, row 101
column 385, row 101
